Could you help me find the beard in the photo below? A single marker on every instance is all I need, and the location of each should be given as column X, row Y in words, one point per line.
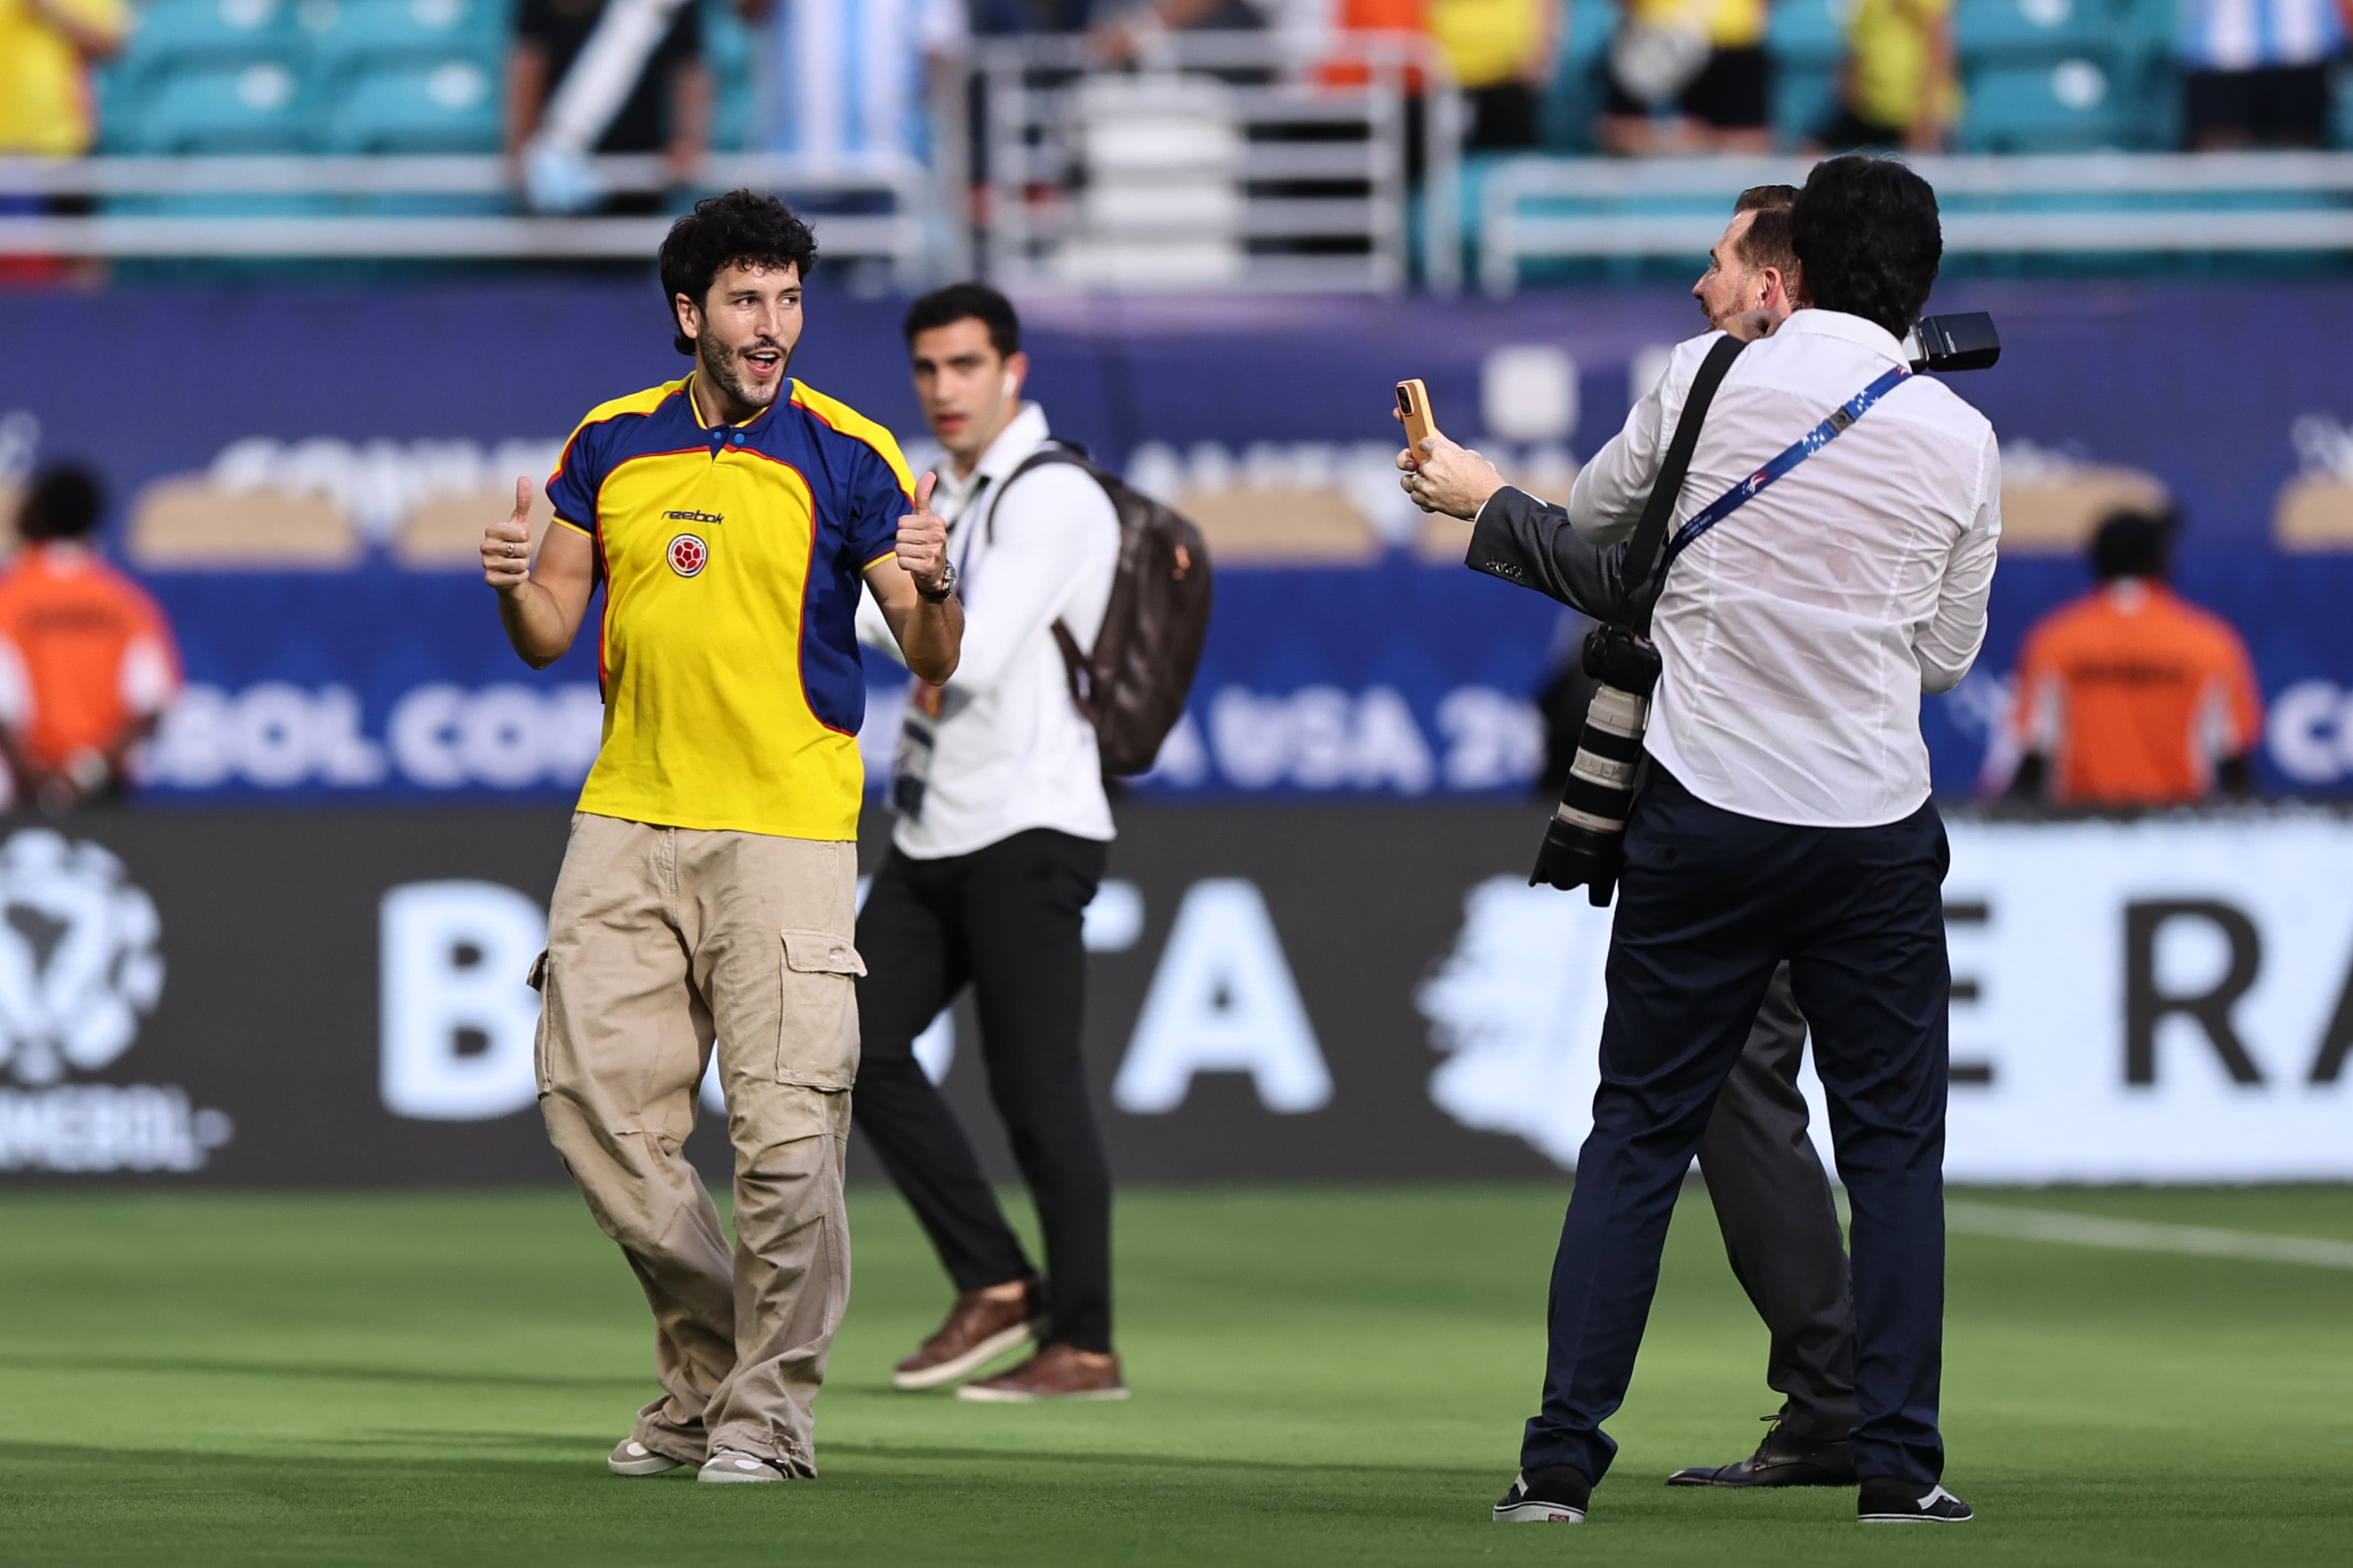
column 724, row 365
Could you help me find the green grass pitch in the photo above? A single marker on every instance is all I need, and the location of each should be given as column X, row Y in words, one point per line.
column 1321, row 1376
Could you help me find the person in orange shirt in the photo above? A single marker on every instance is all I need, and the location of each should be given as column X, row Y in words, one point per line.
column 2131, row 696
column 86, row 660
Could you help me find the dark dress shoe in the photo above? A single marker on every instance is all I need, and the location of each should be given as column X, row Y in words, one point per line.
column 1782, row 1459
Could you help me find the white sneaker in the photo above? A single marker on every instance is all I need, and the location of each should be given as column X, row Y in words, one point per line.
column 727, row 1465
column 631, row 1457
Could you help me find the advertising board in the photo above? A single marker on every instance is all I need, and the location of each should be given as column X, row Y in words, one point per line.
column 338, row 998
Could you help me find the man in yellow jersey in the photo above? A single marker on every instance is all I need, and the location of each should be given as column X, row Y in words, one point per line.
column 707, row 893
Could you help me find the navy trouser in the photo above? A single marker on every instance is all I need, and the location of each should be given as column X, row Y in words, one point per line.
column 1710, row 902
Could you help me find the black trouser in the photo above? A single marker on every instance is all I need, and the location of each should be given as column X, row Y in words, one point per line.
column 1709, row 904
column 1780, row 1224
column 1006, row 918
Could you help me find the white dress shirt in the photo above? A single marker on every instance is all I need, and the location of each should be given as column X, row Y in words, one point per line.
column 1798, row 635
column 1010, row 750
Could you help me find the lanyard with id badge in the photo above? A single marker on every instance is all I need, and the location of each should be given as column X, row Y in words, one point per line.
column 929, row 706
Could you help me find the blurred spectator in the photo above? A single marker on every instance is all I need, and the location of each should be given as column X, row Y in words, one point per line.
column 1898, row 87
column 2255, row 72
column 46, row 47
column 1707, row 59
column 1116, row 37
column 668, row 110
column 851, row 80
column 86, row 660
column 1502, row 52
column 2129, row 696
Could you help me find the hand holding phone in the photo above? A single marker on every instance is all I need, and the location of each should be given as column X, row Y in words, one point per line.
column 1413, row 408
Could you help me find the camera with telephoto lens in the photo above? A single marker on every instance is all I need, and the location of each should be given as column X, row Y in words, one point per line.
column 1586, row 839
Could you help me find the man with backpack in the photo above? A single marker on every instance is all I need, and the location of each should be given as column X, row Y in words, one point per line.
column 1002, row 825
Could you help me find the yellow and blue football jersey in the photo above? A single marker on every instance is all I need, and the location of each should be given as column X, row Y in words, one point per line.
column 731, row 558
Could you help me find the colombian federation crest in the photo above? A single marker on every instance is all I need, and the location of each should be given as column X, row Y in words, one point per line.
column 688, row 554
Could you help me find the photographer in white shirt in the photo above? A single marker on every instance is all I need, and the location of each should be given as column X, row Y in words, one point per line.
column 1787, row 815
column 998, row 846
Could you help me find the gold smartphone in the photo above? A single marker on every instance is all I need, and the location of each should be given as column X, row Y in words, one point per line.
column 1413, row 403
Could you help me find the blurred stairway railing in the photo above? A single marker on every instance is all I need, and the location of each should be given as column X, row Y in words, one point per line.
column 1232, row 160
column 2091, row 204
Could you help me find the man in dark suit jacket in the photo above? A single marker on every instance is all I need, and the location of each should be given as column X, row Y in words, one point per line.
column 1772, row 1197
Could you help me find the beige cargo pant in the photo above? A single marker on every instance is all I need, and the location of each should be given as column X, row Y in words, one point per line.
column 661, row 940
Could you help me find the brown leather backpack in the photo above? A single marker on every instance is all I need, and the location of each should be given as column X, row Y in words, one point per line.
column 1132, row 685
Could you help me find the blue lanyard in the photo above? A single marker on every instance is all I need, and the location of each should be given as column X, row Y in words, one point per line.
column 1804, row 446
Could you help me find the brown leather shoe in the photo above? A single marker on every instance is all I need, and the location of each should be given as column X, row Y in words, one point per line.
column 978, row 1332
column 1058, row 1371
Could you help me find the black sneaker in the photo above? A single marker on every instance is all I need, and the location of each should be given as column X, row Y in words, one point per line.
column 1783, row 1460
column 1903, row 1502
column 1554, row 1495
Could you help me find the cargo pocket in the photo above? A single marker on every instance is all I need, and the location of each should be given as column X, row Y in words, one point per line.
column 537, row 981
column 818, row 1037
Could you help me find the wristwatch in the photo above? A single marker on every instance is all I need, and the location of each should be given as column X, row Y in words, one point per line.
column 939, row 595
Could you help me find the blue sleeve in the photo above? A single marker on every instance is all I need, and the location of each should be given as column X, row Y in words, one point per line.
column 572, row 489
column 876, row 503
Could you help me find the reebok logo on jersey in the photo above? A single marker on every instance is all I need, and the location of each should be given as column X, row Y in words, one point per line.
column 694, row 516
column 688, row 555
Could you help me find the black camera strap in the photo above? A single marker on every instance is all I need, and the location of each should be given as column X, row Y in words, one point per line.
column 1646, row 550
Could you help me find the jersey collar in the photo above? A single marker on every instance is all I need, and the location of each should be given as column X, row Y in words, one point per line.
column 686, row 389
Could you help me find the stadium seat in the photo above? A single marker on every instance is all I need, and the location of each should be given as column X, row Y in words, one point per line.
column 188, row 522
column 1286, row 525
column 2069, row 105
column 2054, row 511
column 449, row 105
column 381, row 33
column 2315, row 513
column 256, row 107
column 2019, row 31
column 1808, row 41
column 172, row 34
column 445, row 533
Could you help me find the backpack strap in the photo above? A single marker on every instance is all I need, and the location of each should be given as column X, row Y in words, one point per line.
column 1055, row 450
column 1074, row 663
column 1644, row 569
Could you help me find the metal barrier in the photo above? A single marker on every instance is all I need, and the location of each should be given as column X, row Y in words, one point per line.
column 1245, row 159
column 2078, row 204
column 900, row 235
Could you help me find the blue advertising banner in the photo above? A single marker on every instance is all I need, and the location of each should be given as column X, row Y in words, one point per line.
column 382, row 427
column 1396, row 679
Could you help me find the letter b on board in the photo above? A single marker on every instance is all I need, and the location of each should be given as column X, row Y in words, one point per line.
column 459, row 1016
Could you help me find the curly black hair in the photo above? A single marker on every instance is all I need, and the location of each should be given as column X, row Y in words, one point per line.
column 1865, row 230
column 741, row 227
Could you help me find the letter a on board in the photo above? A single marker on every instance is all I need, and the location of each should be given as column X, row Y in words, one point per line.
column 1222, row 999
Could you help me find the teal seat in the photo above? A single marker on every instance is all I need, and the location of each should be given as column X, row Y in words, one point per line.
column 378, row 35
column 449, row 105
column 2023, row 31
column 176, row 34
column 2071, row 105
column 1808, row 35
column 254, row 107
column 1805, row 100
